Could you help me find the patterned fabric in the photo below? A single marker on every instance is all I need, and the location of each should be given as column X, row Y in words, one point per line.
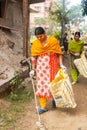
column 47, row 67
column 46, row 60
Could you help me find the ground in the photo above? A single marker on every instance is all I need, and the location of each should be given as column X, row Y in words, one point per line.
column 54, row 119
column 59, row 119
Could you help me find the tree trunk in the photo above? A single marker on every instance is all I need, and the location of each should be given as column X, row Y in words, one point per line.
column 63, row 22
column 25, row 27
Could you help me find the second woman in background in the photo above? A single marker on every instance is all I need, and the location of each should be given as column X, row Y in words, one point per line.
column 75, row 49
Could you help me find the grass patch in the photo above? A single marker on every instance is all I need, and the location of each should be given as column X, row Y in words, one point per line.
column 18, row 102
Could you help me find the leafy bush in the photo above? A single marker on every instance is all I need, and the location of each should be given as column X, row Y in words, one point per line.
column 16, row 82
column 57, row 34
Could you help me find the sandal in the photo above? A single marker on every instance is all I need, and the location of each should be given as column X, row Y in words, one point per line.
column 42, row 110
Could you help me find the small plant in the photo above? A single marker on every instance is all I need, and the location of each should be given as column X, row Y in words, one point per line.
column 18, row 91
column 16, row 82
column 57, row 35
column 13, row 96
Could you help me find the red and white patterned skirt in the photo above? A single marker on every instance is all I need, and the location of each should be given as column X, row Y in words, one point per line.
column 46, row 68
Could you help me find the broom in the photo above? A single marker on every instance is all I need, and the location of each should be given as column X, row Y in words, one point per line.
column 39, row 123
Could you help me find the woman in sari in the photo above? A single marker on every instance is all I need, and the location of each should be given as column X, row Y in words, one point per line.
column 75, row 49
column 46, row 58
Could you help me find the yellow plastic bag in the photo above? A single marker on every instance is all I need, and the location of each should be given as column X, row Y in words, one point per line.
column 61, row 90
column 81, row 65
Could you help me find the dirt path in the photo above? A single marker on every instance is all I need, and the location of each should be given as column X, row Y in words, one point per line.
column 59, row 119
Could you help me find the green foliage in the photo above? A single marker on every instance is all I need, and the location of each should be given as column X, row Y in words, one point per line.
column 75, row 15
column 57, row 35
column 18, row 91
column 16, row 81
column 15, row 85
column 13, row 96
column 21, row 94
column 59, row 13
column 40, row 21
column 84, row 7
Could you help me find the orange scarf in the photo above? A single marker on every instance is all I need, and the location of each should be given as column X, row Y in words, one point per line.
column 52, row 46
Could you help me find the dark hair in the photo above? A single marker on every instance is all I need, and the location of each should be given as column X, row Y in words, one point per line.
column 65, row 34
column 39, row 30
column 77, row 33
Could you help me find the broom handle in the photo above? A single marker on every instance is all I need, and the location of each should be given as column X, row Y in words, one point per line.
column 36, row 104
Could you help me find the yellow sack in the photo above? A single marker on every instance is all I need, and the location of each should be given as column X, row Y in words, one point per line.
column 61, row 90
column 81, row 65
